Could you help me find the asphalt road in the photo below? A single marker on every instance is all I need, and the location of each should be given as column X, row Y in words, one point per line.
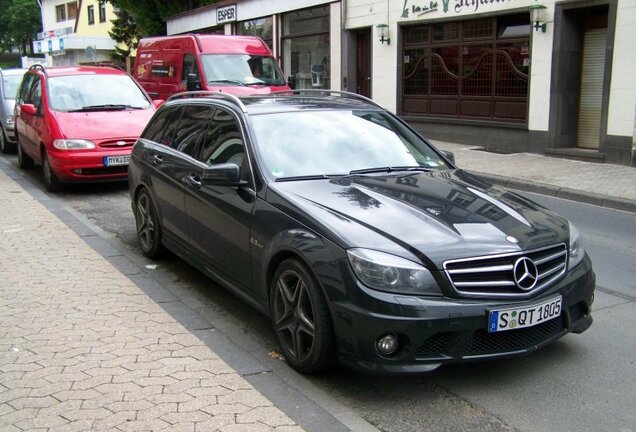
column 583, row 382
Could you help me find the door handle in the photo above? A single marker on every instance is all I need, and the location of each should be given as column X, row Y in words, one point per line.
column 157, row 159
column 194, row 181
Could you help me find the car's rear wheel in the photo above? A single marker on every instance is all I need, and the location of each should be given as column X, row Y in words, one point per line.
column 301, row 318
column 24, row 160
column 5, row 145
column 147, row 222
column 51, row 182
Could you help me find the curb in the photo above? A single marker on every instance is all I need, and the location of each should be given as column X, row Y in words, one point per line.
column 560, row 192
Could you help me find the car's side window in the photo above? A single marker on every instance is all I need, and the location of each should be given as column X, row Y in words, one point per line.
column 190, row 68
column 163, row 126
column 223, row 142
column 35, row 94
column 192, row 125
column 24, row 88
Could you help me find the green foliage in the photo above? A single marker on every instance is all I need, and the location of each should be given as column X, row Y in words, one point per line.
column 124, row 31
column 20, row 21
column 150, row 15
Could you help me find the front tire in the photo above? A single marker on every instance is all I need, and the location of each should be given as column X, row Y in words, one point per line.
column 24, row 160
column 301, row 319
column 5, row 145
column 147, row 223
column 51, row 182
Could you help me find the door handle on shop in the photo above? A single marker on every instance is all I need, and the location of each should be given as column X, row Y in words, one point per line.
column 157, row 159
column 194, row 181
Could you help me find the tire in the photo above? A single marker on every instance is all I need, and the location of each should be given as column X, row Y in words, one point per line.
column 24, row 160
column 301, row 320
column 51, row 182
column 147, row 223
column 5, row 145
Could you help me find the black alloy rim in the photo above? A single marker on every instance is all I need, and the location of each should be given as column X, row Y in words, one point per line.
column 294, row 315
column 145, row 222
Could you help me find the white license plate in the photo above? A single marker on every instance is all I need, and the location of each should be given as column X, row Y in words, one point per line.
column 516, row 318
column 116, row 160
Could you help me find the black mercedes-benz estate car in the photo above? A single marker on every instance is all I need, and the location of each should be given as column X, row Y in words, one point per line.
column 362, row 242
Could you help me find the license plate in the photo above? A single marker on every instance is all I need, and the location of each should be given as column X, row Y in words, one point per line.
column 116, row 160
column 516, row 318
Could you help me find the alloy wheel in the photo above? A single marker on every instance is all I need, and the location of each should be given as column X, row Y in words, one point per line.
column 148, row 229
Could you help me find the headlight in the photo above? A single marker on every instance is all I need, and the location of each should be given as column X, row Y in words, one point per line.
column 386, row 272
column 73, row 144
column 576, row 252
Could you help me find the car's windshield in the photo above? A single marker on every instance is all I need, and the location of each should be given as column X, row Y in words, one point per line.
column 94, row 92
column 314, row 143
column 241, row 69
column 10, row 84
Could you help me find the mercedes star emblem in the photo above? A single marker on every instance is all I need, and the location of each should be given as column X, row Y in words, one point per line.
column 526, row 273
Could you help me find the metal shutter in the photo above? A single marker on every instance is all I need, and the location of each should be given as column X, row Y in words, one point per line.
column 591, row 97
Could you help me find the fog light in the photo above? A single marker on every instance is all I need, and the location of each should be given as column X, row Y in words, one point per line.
column 387, row 345
column 77, row 171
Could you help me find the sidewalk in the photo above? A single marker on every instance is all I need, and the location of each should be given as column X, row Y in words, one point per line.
column 600, row 184
column 84, row 348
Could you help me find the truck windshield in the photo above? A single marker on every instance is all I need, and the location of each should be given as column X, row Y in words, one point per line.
column 241, row 69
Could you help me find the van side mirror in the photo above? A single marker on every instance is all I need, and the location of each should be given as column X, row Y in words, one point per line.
column 193, row 82
column 291, row 82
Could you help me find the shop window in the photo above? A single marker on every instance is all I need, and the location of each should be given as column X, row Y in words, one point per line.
column 102, row 11
column 71, row 10
column 306, row 47
column 60, row 13
column 91, row 14
column 475, row 69
column 262, row 27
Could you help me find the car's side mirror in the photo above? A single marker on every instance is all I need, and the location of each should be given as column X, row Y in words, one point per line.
column 448, row 155
column 29, row 109
column 291, row 82
column 226, row 174
column 193, row 82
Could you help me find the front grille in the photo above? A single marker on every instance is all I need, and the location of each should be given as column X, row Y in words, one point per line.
column 104, row 171
column 480, row 342
column 493, row 276
column 483, row 342
column 119, row 143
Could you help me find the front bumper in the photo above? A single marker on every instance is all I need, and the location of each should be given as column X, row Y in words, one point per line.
column 87, row 165
column 436, row 331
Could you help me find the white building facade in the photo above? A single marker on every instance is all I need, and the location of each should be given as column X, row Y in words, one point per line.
column 480, row 72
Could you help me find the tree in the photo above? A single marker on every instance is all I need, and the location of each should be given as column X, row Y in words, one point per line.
column 125, row 32
column 150, row 15
column 24, row 22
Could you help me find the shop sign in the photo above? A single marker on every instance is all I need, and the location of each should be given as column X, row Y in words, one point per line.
column 226, row 14
column 416, row 8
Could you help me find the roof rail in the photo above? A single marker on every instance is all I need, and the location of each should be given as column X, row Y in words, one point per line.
column 41, row 67
column 213, row 94
column 327, row 92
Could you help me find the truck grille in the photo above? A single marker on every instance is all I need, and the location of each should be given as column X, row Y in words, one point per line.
column 516, row 275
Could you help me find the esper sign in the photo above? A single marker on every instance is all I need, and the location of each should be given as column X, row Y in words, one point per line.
column 226, row 14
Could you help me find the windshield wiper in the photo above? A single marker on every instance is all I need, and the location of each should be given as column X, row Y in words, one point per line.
column 303, row 177
column 389, row 169
column 106, row 107
column 227, row 81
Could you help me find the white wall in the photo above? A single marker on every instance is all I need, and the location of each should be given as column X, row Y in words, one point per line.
column 623, row 85
column 49, row 17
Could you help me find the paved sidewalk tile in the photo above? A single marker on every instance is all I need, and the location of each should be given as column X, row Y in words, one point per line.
column 83, row 348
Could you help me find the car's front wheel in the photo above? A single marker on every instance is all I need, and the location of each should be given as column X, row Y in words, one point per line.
column 51, row 182
column 5, row 145
column 301, row 318
column 24, row 160
column 147, row 223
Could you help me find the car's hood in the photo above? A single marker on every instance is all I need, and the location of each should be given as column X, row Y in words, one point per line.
column 436, row 216
column 103, row 125
column 246, row 90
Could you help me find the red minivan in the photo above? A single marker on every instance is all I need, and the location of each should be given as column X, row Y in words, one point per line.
column 240, row 65
column 79, row 122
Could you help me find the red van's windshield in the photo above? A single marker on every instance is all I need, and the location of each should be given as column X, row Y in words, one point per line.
column 241, row 69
